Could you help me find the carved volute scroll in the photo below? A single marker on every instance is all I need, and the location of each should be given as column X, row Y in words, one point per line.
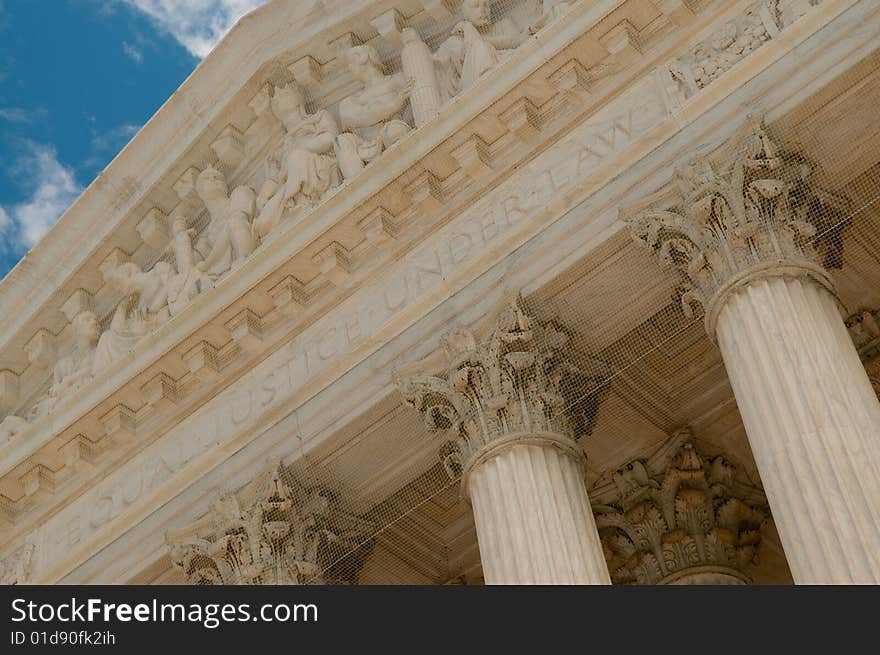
column 518, row 377
column 284, row 534
column 749, row 204
column 679, row 517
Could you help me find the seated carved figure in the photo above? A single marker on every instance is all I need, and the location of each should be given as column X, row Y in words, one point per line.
column 476, row 46
column 228, row 238
column 370, row 115
column 146, row 291
column 144, row 309
column 75, row 368
column 503, row 34
column 307, row 167
column 190, row 279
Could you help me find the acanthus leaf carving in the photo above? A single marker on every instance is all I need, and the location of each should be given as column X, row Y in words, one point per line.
column 285, row 534
column 679, row 516
column 747, row 204
column 517, row 378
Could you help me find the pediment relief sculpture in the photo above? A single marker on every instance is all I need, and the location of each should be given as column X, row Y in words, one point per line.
column 73, row 370
column 190, row 279
column 732, row 42
column 318, row 150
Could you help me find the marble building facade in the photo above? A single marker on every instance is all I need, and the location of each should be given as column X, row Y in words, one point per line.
column 464, row 292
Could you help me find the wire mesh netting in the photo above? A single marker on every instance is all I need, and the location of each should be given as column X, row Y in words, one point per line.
column 381, row 502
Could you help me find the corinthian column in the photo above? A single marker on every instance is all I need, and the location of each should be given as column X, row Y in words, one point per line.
column 514, row 405
column 753, row 237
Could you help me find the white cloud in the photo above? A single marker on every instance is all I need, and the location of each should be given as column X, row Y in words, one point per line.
column 22, row 115
column 132, row 52
column 53, row 188
column 197, row 24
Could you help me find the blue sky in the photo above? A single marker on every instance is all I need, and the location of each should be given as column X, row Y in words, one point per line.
column 78, row 78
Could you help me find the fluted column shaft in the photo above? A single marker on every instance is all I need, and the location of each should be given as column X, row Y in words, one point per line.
column 533, row 517
column 812, row 418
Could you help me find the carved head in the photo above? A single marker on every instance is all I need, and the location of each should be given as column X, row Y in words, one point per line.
column 478, row 12
column 85, row 328
column 363, row 62
column 211, row 184
column 287, row 104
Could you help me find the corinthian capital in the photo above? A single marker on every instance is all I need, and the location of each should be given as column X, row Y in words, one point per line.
column 282, row 533
column 748, row 204
column 678, row 517
column 516, row 377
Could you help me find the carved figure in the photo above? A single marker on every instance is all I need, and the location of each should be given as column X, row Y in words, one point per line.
column 369, row 114
column 190, row 280
column 307, row 166
column 76, row 367
column 144, row 309
column 229, row 236
column 503, row 34
column 476, row 46
column 479, row 55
